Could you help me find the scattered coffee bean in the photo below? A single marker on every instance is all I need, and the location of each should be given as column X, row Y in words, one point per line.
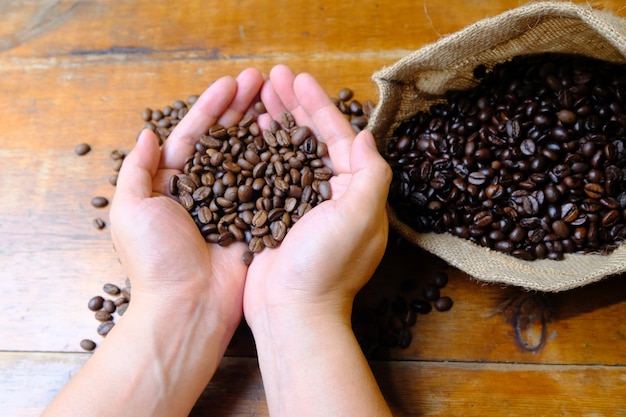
column 111, row 289
column 102, row 315
column 105, row 327
column 443, row 303
column 122, row 309
column 431, row 292
column 98, row 223
column 88, row 345
column 109, row 306
column 99, row 202
column 421, row 306
column 440, row 279
column 82, row 149
column 95, row 303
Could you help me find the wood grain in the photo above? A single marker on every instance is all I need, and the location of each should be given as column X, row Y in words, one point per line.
column 82, row 71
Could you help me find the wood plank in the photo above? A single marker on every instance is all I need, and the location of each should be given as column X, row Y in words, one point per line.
column 216, row 30
column 411, row 388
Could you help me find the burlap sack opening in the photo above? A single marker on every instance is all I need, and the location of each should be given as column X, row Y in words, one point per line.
column 420, row 79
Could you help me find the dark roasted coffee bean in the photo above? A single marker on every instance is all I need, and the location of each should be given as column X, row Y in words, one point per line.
column 421, row 306
column 430, row 292
column 404, row 338
column 440, row 279
column 443, row 303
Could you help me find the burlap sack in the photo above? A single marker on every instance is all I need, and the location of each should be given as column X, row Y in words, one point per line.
column 421, row 78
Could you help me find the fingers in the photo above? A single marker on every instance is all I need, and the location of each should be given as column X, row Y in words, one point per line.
column 224, row 102
column 371, row 176
column 310, row 106
column 328, row 121
column 135, row 176
column 249, row 84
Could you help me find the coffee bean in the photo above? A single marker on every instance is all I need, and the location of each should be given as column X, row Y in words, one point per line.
column 404, row 338
column 111, row 289
column 105, row 327
column 247, row 257
column 99, row 202
column 109, row 306
column 82, row 149
column 95, row 303
column 421, row 306
column 430, row 292
column 88, row 345
column 440, row 279
column 443, row 303
column 103, row 316
column 98, row 223
column 122, row 308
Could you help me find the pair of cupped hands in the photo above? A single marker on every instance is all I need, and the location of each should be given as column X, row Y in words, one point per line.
column 327, row 256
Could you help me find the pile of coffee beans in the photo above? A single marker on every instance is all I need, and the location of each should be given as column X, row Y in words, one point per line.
column 249, row 184
column 531, row 162
column 105, row 308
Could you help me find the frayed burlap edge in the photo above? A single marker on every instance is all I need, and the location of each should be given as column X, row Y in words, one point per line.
column 420, row 79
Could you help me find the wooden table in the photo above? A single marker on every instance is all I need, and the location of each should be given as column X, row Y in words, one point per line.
column 82, row 71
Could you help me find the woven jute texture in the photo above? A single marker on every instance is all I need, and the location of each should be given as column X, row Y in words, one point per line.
column 422, row 77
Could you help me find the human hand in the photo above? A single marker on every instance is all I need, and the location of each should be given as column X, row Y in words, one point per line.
column 332, row 251
column 298, row 296
column 168, row 261
column 187, row 295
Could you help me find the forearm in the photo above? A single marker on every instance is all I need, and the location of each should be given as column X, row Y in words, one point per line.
column 314, row 367
column 150, row 364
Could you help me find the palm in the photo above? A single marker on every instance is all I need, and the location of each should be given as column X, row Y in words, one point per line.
column 322, row 244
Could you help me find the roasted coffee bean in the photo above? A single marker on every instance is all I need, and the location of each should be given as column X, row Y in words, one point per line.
column 421, row 306
column 82, row 149
column 247, row 257
column 95, row 303
column 404, row 338
column 98, row 223
column 103, row 316
column 443, row 303
column 105, row 327
column 88, row 345
column 430, row 292
column 109, row 306
column 99, row 202
column 111, row 289
column 440, row 279
column 122, row 309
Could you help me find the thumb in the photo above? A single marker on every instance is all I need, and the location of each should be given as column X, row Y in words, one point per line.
column 139, row 167
column 371, row 175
